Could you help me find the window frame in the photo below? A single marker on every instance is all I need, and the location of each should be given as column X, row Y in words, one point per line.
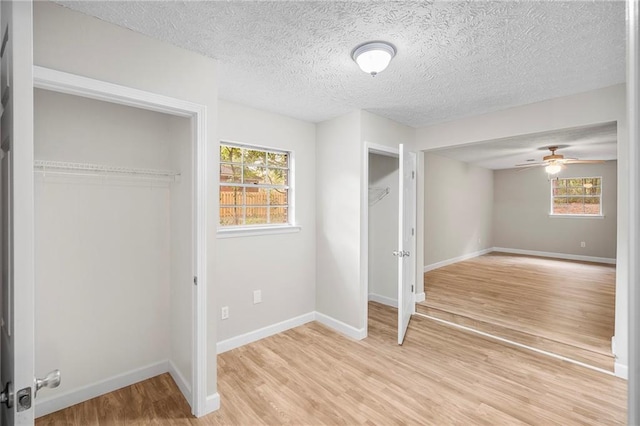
column 583, row 215
column 259, row 229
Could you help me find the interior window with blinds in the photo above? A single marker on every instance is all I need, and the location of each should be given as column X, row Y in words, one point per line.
column 254, row 186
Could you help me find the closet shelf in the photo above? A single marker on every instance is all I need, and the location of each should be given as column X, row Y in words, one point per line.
column 87, row 169
column 377, row 194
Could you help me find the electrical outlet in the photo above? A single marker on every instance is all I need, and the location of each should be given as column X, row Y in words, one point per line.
column 583, row 244
column 257, row 296
column 224, row 312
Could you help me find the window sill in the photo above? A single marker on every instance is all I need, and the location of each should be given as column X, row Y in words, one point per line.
column 256, row 231
column 577, row 216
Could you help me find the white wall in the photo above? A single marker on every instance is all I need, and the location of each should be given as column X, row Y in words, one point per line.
column 458, row 207
column 338, row 175
column 383, row 229
column 72, row 42
column 281, row 266
column 102, row 246
column 522, row 221
column 382, row 131
column 597, row 106
column 341, row 292
column 181, row 246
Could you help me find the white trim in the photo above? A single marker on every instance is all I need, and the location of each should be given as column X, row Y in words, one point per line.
column 212, row 403
column 341, row 327
column 45, row 405
column 373, row 297
column 556, row 255
column 63, row 82
column 576, row 216
column 256, row 231
column 520, row 345
column 621, row 370
column 421, row 297
column 270, row 330
column 72, row 84
column 182, row 383
column 633, row 164
column 633, row 283
column 453, row 260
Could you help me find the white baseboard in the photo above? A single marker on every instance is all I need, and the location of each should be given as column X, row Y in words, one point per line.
column 252, row 336
column 182, row 383
column 420, row 297
column 340, row 327
column 556, row 255
column 621, row 371
column 46, row 405
column 453, row 260
column 212, row 404
column 383, row 299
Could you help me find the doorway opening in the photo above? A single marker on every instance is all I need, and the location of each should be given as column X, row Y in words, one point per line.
column 500, row 259
column 120, row 238
column 383, row 228
column 388, row 237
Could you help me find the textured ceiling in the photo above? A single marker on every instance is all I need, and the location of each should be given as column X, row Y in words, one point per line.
column 454, row 59
column 595, row 142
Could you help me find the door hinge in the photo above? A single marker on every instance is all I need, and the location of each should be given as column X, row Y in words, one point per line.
column 195, row 280
column 413, row 232
column 411, row 288
column 413, row 175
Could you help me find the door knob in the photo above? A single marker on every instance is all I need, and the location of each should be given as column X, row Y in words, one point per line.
column 6, row 396
column 51, row 381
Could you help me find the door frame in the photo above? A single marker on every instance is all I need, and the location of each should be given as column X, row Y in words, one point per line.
column 633, row 103
column 369, row 148
column 62, row 82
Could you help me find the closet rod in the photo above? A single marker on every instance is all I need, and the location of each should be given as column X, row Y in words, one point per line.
column 70, row 168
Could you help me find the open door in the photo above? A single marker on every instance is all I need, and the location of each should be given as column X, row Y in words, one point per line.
column 406, row 241
column 16, row 140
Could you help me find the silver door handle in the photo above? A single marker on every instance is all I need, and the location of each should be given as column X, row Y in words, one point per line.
column 401, row 253
column 51, row 381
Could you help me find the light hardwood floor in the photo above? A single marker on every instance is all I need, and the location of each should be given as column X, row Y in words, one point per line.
column 562, row 306
column 312, row 375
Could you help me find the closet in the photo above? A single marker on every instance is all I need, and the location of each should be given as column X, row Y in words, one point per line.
column 383, row 228
column 114, row 246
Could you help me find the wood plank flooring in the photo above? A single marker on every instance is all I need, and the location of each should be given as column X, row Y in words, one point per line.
column 311, row 375
column 569, row 303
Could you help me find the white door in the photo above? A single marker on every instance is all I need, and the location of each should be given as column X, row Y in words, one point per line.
column 406, row 241
column 16, row 140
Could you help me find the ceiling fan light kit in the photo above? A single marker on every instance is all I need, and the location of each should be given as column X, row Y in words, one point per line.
column 552, row 169
column 374, row 56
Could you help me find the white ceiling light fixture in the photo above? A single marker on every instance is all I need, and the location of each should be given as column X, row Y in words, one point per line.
column 553, row 168
column 374, row 56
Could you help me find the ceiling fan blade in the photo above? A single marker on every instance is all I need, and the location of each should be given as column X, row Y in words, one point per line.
column 576, row 161
column 531, row 164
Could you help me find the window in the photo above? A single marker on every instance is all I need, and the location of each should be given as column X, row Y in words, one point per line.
column 254, row 186
column 576, row 196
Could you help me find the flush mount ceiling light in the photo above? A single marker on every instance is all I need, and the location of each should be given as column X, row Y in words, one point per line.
column 374, row 56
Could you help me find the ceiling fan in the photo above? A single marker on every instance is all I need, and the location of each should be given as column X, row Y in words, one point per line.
column 553, row 163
